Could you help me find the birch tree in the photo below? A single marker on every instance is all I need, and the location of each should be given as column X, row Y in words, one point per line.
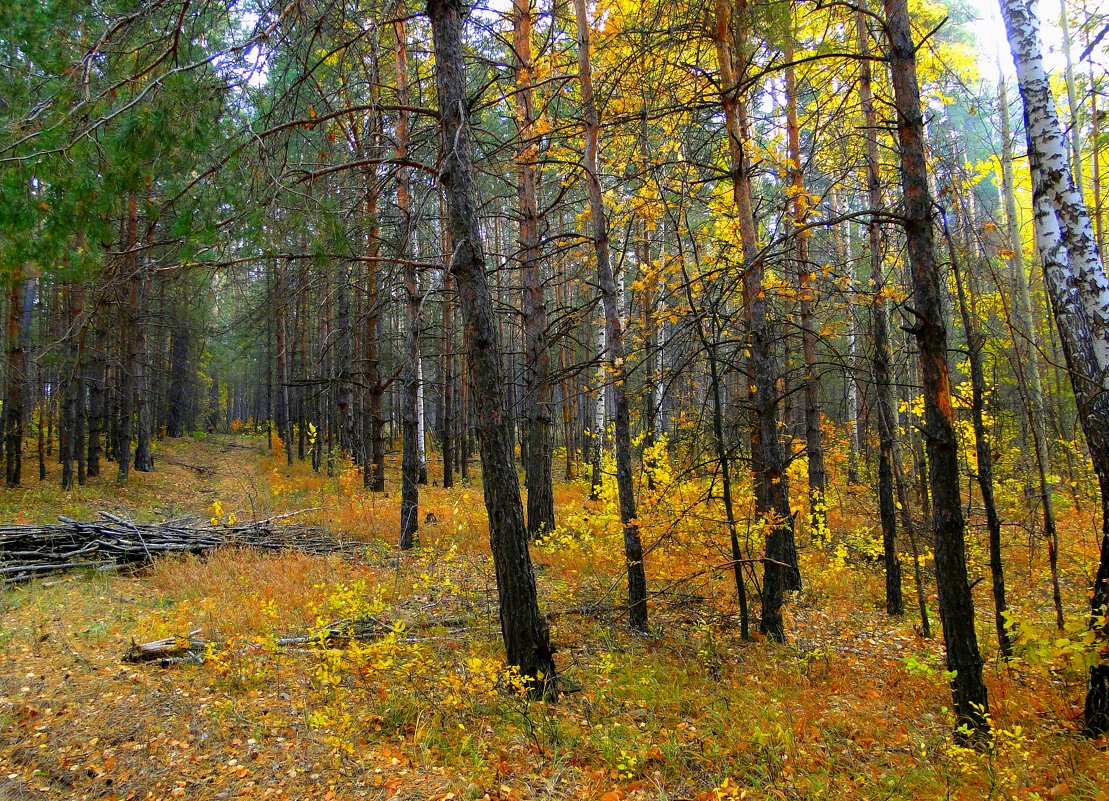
column 1079, row 292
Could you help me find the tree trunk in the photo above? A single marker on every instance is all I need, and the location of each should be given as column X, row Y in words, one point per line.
column 523, row 627
column 447, row 367
column 67, row 432
column 1027, row 350
column 879, row 331
column 284, row 412
column 1077, row 285
column 806, row 295
column 780, row 571
column 96, row 397
column 956, row 602
column 410, row 457
column 128, row 340
column 976, row 342
column 374, row 473
column 144, row 457
column 16, row 389
column 537, row 358
column 614, row 334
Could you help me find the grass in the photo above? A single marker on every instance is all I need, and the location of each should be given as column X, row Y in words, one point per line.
column 855, row 706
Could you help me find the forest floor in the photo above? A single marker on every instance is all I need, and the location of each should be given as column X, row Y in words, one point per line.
column 854, row 706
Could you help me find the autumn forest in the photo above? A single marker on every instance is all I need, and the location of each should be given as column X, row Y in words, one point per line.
column 568, row 399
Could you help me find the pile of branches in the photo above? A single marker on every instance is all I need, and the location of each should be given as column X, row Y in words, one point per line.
column 112, row 542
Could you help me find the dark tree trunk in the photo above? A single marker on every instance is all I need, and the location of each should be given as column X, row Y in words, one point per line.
column 780, row 567
column 284, row 412
column 374, row 473
column 956, row 602
column 448, row 374
column 806, row 300
column 344, row 359
column 523, row 627
column 975, row 344
column 410, row 445
column 879, row 322
column 16, row 389
column 144, row 457
column 96, row 376
column 179, row 381
column 68, row 445
column 129, row 314
column 537, row 412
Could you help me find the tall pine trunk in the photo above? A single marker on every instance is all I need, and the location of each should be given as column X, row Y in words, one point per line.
column 523, row 627
column 410, row 457
column 956, row 602
column 780, row 570
column 879, row 332
column 537, row 358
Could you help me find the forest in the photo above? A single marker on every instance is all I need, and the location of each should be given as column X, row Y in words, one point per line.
column 565, row 399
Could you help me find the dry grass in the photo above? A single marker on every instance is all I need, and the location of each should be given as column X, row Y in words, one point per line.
column 853, row 707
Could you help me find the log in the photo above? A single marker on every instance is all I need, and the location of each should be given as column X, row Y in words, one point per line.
column 175, row 650
column 167, row 648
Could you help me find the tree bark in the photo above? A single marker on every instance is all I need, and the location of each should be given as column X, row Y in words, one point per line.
column 16, row 387
column 806, row 296
column 1077, row 285
column 410, row 457
column 780, row 571
column 537, row 358
column 614, row 334
column 956, row 602
column 523, row 627
column 879, row 332
column 128, row 340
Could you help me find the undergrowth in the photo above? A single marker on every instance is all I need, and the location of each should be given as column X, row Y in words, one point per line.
column 396, row 685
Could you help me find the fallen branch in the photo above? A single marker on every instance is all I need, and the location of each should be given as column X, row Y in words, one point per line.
column 29, row 551
column 192, row 648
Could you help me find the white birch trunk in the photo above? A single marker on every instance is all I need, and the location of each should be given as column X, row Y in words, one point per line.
column 660, row 380
column 421, row 433
column 1064, row 232
column 600, row 408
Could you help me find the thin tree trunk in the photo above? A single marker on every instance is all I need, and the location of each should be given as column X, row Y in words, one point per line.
column 96, row 398
column 976, row 342
column 614, row 334
column 129, row 341
column 144, row 456
column 879, row 325
column 806, row 295
column 448, row 364
column 1072, row 98
column 410, row 458
column 67, row 433
column 537, row 409
column 284, row 412
column 709, row 342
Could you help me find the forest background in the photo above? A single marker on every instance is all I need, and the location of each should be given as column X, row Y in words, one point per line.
column 772, row 335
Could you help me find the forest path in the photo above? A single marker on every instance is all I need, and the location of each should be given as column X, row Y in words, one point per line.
column 77, row 722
